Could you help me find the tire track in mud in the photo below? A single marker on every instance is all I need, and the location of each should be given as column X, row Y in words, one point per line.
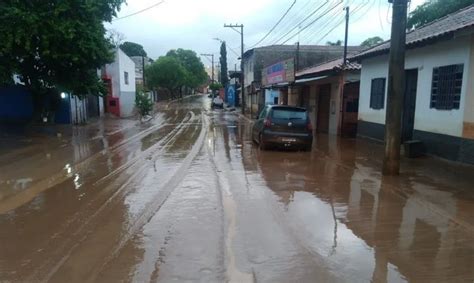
column 156, row 203
column 42, row 185
column 86, row 223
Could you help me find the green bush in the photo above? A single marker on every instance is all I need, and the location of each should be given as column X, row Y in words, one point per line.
column 215, row 86
column 143, row 103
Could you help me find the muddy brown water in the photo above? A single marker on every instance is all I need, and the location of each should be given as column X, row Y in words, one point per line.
column 188, row 197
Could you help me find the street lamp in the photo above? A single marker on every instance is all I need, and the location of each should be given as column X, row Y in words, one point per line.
column 230, row 48
column 212, row 61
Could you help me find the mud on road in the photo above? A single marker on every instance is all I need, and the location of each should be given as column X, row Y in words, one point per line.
column 189, row 198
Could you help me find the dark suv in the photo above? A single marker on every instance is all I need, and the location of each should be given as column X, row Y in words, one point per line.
column 283, row 126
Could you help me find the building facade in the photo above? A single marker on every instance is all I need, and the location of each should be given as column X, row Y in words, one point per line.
column 439, row 100
column 120, row 79
column 330, row 93
column 256, row 59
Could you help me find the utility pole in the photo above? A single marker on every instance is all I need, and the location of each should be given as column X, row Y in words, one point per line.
column 242, row 87
column 346, row 36
column 396, row 87
column 297, row 59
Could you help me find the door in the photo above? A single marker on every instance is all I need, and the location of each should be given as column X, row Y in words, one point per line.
column 350, row 109
column 409, row 104
column 323, row 108
column 304, row 101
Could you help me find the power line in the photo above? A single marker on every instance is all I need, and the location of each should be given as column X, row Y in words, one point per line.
column 289, row 21
column 138, row 12
column 277, row 23
column 315, row 20
column 342, row 21
column 309, row 16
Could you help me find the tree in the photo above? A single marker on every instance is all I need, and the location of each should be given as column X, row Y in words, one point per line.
column 56, row 45
column 433, row 10
column 371, row 41
column 216, row 86
column 224, row 79
column 115, row 37
column 166, row 72
column 133, row 49
column 196, row 74
column 336, row 43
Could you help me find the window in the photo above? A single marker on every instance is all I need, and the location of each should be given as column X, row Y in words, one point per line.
column 288, row 114
column 263, row 114
column 446, row 87
column 125, row 75
column 377, row 93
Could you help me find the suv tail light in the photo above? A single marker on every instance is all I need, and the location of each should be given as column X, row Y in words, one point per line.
column 267, row 123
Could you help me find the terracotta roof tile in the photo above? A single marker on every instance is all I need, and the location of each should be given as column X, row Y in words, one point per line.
column 445, row 26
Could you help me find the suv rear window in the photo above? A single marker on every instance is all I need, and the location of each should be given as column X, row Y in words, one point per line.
column 289, row 114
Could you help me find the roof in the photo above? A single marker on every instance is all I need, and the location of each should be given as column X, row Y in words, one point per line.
column 302, row 48
column 334, row 65
column 443, row 28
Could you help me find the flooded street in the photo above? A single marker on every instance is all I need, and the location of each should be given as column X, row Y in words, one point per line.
column 188, row 197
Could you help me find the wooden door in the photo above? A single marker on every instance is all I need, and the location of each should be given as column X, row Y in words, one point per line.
column 409, row 104
column 350, row 107
column 324, row 99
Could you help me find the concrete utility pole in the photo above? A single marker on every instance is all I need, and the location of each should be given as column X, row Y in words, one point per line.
column 212, row 61
column 396, row 87
column 242, row 87
column 346, row 36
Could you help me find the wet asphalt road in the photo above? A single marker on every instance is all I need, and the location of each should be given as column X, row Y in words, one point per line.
column 189, row 198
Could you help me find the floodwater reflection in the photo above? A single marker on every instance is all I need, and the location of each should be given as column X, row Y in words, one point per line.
column 369, row 227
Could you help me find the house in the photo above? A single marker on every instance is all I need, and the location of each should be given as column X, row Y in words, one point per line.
column 256, row 59
column 439, row 99
column 276, row 81
column 330, row 92
column 119, row 77
column 140, row 62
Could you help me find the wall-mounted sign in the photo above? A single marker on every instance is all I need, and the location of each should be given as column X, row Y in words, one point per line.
column 280, row 72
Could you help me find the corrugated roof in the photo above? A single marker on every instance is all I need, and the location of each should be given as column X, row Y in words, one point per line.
column 443, row 27
column 328, row 66
column 303, row 48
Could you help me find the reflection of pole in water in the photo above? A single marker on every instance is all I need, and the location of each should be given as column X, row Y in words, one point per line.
column 334, row 246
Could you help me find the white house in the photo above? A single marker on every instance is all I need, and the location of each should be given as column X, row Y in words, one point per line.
column 120, row 77
column 439, row 99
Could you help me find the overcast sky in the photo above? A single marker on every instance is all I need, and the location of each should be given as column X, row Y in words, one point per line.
column 192, row 24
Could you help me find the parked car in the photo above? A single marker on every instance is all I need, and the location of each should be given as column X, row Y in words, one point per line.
column 217, row 102
column 283, row 126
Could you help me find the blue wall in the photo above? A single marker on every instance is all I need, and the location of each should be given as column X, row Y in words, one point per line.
column 270, row 95
column 63, row 113
column 16, row 104
column 231, row 95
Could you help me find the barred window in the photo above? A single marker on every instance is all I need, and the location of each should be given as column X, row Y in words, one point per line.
column 377, row 93
column 446, row 87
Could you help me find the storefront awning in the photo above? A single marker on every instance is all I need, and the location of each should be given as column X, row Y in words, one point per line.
column 278, row 85
column 301, row 81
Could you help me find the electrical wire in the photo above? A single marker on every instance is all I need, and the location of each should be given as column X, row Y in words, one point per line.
column 342, row 21
column 314, row 21
column 138, row 12
column 299, row 24
column 290, row 21
column 277, row 23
